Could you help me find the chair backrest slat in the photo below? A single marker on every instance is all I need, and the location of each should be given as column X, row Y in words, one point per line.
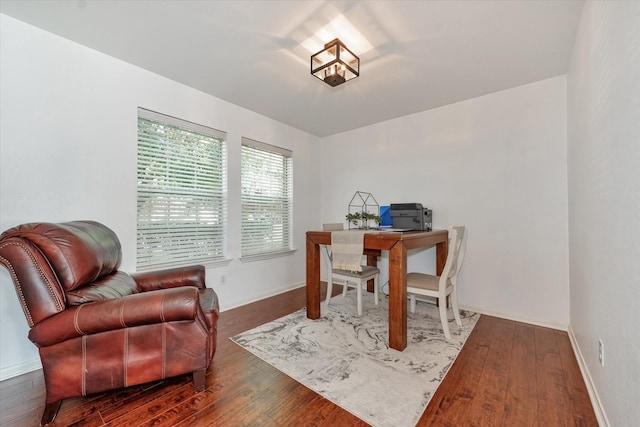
column 457, row 249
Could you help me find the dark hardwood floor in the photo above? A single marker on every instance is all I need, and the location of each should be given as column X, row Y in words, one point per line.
column 507, row 374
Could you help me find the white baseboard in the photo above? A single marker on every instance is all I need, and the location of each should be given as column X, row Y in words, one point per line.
column 508, row 316
column 516, row 318
column 19, row 369
column 255, row 298
column 601, row 416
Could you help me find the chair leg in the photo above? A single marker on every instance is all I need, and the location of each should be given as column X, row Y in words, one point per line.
column 359, row 293
column 50, row 412
column 454, row 306
column 412, row 303
column 329, row 288
column 375, row 289
column 345, row 287
column 443, row 317
column 199, row 380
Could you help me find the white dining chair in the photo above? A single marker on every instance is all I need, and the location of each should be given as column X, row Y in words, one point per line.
column 443, row 286
column 348, row 279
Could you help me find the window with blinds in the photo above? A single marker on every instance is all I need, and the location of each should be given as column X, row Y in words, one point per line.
column 267, row 198
column 181, row 192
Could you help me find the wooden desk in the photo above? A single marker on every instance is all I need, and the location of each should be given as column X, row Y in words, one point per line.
column 397, row 244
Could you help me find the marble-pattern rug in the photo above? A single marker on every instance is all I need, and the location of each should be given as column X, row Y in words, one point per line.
column 346, row 358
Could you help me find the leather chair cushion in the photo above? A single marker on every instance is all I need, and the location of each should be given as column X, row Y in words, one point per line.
column 113, row 286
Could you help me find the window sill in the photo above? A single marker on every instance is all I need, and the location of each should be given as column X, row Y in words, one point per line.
column 206, row 264
column 260, row 257
column 217, row 263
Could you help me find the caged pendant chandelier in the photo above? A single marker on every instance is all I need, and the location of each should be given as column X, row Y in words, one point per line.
column 335, row 64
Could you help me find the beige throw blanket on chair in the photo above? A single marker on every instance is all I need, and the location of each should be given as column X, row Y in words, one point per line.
column 346, row 249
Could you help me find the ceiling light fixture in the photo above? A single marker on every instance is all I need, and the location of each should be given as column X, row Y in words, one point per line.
column 335, row 64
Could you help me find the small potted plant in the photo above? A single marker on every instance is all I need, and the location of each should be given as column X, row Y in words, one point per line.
column 361, row 219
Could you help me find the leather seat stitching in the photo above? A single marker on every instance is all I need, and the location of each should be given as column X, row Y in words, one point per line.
column 122, row 322
column 76, row 322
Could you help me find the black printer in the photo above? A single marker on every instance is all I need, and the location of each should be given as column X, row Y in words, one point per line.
column 411, row 216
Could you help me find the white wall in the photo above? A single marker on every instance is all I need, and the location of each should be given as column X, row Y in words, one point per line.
column 68, row 151
column 604, row 204
column 496, row 164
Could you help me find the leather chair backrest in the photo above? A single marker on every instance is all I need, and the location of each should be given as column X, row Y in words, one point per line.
column 79, row 252
column 47, row 260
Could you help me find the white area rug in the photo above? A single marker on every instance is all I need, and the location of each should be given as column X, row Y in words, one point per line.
column 346, row 358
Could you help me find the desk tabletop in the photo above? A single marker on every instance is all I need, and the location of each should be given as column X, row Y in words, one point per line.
column 384, row 240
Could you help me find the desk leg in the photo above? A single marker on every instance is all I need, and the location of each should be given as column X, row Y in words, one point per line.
column 442, row 249
column 372, row 260
column 398, row 297
column 313, row 280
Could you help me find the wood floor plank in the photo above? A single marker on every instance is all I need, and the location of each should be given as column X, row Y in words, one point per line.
column 299, row 396
column 451, row 403
column 171, row 414
column 220, row 408
column 20, row 419
column 76, row 409
column 581, row 408
column 543, row 387
column 151, row 405
column 325, row 413
column 27, row 380
column 487, row 408
column 92, row 420
column 521, row 405
column 143, row 397
column 553, row 398
column 22, row 398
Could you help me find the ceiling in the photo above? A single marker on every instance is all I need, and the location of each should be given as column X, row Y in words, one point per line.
column 421, row 54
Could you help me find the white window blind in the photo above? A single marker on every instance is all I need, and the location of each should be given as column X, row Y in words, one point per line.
column 181, row 192
column 267, row 198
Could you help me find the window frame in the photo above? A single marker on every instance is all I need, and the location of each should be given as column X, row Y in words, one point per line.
column 185, row 187
column 286, row 156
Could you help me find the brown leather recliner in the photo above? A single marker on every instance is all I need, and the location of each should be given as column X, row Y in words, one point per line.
column 98, row 328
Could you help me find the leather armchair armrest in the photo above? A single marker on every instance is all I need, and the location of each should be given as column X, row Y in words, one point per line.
column 171, row 278
column 160, row 306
